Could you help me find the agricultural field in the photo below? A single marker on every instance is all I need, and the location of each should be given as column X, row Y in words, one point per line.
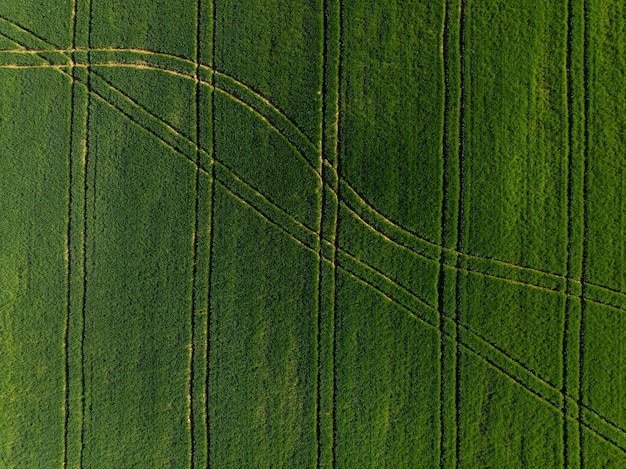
column 312, row 233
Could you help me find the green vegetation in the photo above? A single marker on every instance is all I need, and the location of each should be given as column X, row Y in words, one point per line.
column 33, row 167
column 268, row 233
column 392, row 108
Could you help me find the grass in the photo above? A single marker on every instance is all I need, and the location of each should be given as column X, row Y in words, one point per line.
column 312, row 234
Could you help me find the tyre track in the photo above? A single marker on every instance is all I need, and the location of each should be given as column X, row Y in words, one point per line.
column 549, row 275
column 320, row 266
column 329, row 203
column 444, row 205
column 586, row 283
column 283, row 229
column 570, row 196
column 235, row 90
column 260, row 97
column 460, row 226
column 549, row 388
column 555, row 404
column 337, row 153
column 585, row 241
column 355, row 199
column 518, row 282
column 179, row 151
column 21, row 29
column 446, row 249
column 194, row 269
column 87, row 161
column 344, row 254
column 393, row 238
column 66, row 339
column 218, row 163
column 175, row 58
column 225, row 170
column 213, row 160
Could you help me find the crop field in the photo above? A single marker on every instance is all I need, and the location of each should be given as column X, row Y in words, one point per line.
column 312, row 233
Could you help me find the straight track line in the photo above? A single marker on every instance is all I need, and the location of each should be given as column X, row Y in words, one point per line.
column 194, row 274
column 320, row 266
column 209, row 342
column 66, row 344
column 444, row 205
column 568, row 268
column 337, row 229
column 68, row 248
column 585, row 241
column 460, row 227
column 327, row 234
column 318, row 396
column 85, row 239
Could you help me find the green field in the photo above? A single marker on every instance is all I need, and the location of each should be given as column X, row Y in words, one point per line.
column 312, row 233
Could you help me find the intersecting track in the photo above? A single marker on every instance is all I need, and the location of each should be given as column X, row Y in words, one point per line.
column 329, row 204
column 305, row 149
column 273, row 116
column 313, row 245
column 465, row 337
column 327, row 242
column 226, row 174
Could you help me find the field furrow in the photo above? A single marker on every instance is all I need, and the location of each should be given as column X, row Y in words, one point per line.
column 317, row 233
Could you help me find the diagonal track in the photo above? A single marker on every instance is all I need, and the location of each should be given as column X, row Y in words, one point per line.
column 425, row 245
column 550, row 275
column 563, row 277
column 311, row 149
column 178, row 151
column 532, row 382
column 467, row 345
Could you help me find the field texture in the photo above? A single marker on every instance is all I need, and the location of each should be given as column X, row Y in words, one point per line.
column 312, row 233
